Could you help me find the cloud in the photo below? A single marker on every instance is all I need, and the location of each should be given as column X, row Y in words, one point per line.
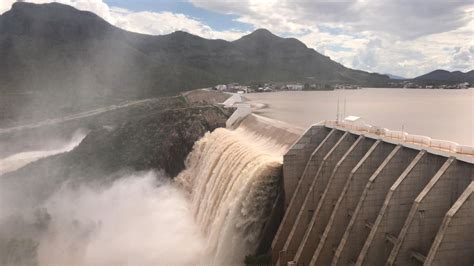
column 158, row 23
column 402, row 18
column 367, row 58
column 5, row 5
column 154, row 23
column 463, row 57
column 414, row 36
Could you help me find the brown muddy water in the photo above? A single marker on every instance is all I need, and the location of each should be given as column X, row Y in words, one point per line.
column 440, row 114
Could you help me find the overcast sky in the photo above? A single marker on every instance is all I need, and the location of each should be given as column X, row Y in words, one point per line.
column 401, row 37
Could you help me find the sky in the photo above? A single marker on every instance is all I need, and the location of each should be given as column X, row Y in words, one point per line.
column 407, row 38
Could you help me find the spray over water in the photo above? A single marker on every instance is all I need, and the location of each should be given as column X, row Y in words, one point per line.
column 232, row 179
column 141, row 219
column 214, row 212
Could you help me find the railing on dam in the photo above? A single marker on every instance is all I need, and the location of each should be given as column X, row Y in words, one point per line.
column 363, row 195
column 403, row 137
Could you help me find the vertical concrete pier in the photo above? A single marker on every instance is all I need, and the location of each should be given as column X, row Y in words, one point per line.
column 329, row 197
column 358, row 199
column 396, row 207
column 297, row 157
column 314, row 194
column 302, row 187
column 370, row 203
column 427, row 213
column 350, row 196
column 454, row 243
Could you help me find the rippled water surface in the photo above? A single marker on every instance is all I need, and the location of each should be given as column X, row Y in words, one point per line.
column 440, row 114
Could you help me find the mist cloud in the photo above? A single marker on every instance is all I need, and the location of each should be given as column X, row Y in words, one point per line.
column 140, row 219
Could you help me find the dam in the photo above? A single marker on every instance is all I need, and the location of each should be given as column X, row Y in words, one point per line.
column 338, row 193
column 363, row 195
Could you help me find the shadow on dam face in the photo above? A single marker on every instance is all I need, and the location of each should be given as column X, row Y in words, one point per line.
column 354, row 199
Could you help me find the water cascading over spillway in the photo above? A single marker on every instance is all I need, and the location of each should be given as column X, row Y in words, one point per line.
column 232, row 177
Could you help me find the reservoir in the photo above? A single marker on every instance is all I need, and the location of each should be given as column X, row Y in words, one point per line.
column 439, row 114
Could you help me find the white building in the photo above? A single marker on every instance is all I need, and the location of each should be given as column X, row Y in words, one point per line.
column 295, row 87
column 221, row 87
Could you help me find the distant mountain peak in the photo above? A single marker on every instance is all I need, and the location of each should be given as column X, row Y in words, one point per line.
column 262, row 32
column 49, row 12
column 59, row 51
column 52, row 21
column 181, row 33
column 445, row 76
column 263, row 37
column 394, row 76
column 51, row 6
column 439, row 71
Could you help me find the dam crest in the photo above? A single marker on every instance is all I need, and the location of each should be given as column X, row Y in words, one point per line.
column 361, row 196
column 356, row 194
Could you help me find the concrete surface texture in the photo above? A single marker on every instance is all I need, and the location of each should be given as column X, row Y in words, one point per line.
column 355, row 199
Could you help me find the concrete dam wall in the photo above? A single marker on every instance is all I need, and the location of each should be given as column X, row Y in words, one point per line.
column 351, row 198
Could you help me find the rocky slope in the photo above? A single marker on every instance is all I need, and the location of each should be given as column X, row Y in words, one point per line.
column 159, row 141
column 156, row 136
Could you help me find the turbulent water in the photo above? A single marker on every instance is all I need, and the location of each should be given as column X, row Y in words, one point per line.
column 231, row 181
column 141, row 219
column 213, row 213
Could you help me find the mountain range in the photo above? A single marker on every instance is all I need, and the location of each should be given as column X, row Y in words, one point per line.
column 56, row 51
column 443, row 77
column 394, row 76
column 55, row 59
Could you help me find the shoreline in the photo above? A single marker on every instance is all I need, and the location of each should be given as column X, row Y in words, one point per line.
column 440, row 114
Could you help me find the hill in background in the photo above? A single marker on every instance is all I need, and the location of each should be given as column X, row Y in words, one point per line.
column 57, row 59
column 445, row 77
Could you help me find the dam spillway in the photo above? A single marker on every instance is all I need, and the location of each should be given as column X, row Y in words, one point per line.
column 355, row 198
column 233, row 180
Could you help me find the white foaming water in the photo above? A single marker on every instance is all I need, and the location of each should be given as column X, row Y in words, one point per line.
column 214, row 214
column 142, row 219
column 18, row 160
column 229, row 179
